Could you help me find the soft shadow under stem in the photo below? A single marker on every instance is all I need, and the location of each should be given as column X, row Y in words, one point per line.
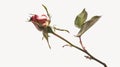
column 83, row 50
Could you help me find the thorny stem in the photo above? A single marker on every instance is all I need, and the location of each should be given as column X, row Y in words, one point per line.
column 85, row 51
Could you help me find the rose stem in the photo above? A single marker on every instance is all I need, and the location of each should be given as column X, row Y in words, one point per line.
column 85, row 51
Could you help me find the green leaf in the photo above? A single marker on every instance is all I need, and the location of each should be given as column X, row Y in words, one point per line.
column 45, row 34
column 80, row 19
column 87, row 25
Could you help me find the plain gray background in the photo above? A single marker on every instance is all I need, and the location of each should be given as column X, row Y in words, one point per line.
column 21, row 45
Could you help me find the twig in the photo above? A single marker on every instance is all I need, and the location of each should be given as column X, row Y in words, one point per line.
column 82, row 44
column 85, row 51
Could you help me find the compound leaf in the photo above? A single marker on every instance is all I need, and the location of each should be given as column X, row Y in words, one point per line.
column 87, row 25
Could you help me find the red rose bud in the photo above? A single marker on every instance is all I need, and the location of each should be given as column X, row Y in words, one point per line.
column 40, row 22
column 33, row 18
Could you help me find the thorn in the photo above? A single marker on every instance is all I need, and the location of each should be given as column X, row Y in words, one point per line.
column 65, row 45
column 88, row 57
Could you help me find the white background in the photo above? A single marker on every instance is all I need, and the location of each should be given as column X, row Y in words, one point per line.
column 21, row 44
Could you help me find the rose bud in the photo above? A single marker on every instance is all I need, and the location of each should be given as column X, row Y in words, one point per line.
column 40, row 22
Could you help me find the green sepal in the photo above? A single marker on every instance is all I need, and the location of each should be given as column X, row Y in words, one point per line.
column 47, row 12
column 87, row 25
column 49, row 29
column 55, row 28
column 45, row 34
column 46, row 31
column 80, row 19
